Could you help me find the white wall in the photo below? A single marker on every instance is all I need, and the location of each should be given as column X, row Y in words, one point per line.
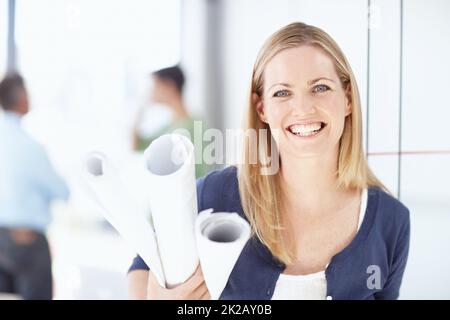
column 426, row 105
column 384, row 91
column 193, row 53
column 3, row 35
column 424, row 178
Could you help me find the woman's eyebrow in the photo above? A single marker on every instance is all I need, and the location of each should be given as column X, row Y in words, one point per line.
column 280, row 84
column 310, row 82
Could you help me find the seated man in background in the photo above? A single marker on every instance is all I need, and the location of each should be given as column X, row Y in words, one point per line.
column 28, row 184
column 167, row 90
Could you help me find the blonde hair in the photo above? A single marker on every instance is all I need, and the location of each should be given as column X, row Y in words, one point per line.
column 260, row 194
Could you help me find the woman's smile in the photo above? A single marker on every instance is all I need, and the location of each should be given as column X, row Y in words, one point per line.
column 308, row 130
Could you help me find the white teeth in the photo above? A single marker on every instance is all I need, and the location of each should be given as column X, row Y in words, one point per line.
column 305, row 129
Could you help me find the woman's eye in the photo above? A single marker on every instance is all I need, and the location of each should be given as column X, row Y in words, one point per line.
column 281, row 94
column 321, row 88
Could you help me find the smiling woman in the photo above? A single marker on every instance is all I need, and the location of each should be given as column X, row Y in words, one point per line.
column 303, row 88
column 310, row 212
column 324, row 227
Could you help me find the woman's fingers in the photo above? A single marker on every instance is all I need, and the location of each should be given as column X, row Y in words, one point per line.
column 192, row 289
column 205, row 296
column 201, row 291
column 195, row 280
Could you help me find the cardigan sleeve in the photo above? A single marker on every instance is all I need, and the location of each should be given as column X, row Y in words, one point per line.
column 391, row 289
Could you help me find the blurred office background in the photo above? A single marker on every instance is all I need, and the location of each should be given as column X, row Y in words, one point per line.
column 86, row 65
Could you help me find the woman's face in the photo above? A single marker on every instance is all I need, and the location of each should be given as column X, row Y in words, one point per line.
column 303, row 102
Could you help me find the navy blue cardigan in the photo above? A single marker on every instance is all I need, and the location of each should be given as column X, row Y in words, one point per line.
column 370, row 267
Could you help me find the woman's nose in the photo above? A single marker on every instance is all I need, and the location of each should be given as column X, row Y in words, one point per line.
column 302, row 105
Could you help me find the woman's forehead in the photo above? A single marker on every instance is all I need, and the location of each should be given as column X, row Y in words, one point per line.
column 302, row 64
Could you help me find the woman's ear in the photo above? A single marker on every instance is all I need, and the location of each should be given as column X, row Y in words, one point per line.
column 259, row 105
column 348, row 101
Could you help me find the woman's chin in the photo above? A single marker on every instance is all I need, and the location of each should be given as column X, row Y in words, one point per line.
column 304, row 151
column 301, row 153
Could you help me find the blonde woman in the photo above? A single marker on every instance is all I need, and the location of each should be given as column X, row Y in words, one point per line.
column 324, row 227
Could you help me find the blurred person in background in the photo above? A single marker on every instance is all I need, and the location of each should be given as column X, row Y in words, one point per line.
column 167, row 90
column 28, row 185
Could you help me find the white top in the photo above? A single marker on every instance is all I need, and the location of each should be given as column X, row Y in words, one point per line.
column 311, row 286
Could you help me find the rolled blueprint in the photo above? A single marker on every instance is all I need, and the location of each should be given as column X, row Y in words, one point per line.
column 221, row 237
column 107, row 189
column 173, row 201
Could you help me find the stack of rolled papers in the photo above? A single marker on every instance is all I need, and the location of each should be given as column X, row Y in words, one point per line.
column 179, row 237
column 120, row 210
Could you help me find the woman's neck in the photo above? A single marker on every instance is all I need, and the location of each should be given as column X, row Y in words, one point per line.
column 309, row 184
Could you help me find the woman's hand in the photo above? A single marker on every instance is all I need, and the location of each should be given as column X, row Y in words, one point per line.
column 193, row 288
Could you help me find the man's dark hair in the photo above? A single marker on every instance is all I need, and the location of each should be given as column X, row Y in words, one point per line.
column 174, row 74
column 11, row 87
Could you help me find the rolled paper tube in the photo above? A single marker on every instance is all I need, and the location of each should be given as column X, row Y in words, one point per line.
column 173, row 201
column 221, row 237
column 106, row 188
